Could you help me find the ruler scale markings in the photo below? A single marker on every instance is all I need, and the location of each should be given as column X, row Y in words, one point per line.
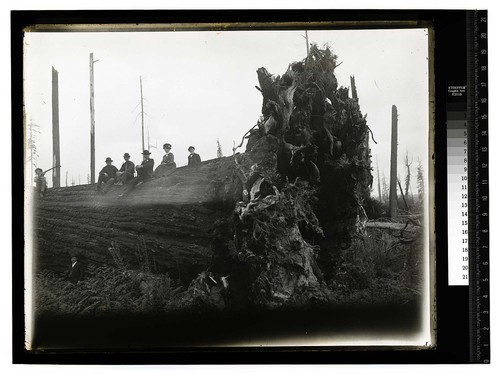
column 478, row 185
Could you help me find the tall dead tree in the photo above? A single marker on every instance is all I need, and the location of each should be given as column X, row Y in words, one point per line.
column 354, row 92
column 56, row 161
column 307, row 43
column 420, row 181
column 378, row 184
column 92, row 120
column 142, row 115
column 393, row 197
column 402, row 195
column 408, row 164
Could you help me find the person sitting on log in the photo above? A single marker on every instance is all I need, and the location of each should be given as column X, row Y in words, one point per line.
column 107, row 175
column 193, row 158
column 127, row 170
column 167, row 164
column 41, row 182
column 144, row 172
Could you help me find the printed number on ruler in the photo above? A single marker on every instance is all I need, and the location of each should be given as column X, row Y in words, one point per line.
column 464, row 265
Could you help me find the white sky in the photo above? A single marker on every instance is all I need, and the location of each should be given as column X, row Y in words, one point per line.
column 199, row 86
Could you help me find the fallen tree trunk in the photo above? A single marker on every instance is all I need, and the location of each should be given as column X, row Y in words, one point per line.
column 172, row 218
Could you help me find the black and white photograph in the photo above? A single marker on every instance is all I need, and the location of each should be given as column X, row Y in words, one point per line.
column 227, row 185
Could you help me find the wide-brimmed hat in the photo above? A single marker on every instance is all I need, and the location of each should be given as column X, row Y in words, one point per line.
column 126, row 155
column 146, row 152
column 167, row 145
column 190, row 147
column 109, row 159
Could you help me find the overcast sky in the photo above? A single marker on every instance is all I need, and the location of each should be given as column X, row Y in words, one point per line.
column 199, row 86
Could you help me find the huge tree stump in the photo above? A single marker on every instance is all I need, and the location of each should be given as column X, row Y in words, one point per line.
column 305, row 176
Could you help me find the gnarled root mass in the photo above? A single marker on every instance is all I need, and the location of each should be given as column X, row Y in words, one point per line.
column 304, row 177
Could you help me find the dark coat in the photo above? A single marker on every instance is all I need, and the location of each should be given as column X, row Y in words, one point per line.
column 110, row 170
column 146, row 172
column 194, row 159
column 129, row 167
column 75, row 274
column 41, row 183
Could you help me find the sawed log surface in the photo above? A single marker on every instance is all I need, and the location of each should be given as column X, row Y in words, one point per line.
column 173, row 216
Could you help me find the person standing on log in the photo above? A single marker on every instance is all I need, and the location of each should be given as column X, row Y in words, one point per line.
column 193, row 158
column 41, row 182
column 167, row 164
column 75, row 271
column 127, row 170
column 107, row 175
column 144, row 172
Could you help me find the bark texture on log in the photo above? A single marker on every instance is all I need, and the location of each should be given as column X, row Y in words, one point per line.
column 173, row 216
column 324, row 141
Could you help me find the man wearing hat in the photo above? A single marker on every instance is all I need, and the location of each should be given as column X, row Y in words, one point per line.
column 193, row 158
column 167, row 163
column 144, row 172
column 127, row 171
column 75, row 271
column 107, row 175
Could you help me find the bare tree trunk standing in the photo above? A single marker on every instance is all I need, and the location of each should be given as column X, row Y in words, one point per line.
column 378, row 184
column 408, row 164
column 142, row 115
column 307, row 43
column 402, row 195
column 385, row 189
column 31, row 151
column 56, row 178
column 92, row 121
column 393, row 197
column 354, row 92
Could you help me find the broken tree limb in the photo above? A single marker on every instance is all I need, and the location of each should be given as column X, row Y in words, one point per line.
column 244, row 135
column 388, row 226
column 404, row 199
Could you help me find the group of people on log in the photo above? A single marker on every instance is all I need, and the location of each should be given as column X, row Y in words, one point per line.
column 145, row 171
column 110, row 175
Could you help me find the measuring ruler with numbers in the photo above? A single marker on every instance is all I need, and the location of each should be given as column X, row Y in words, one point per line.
column 478, row 199
column 468, row 195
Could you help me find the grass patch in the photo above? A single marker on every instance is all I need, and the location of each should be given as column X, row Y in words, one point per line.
column 379, row 268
